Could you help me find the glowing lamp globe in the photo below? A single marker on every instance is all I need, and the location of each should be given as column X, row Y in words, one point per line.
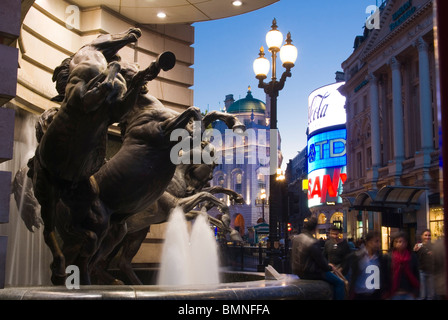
column 261, row 65
column 274, row 38
column 288, row 53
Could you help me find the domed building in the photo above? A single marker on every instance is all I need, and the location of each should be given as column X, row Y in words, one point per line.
column 245, row 162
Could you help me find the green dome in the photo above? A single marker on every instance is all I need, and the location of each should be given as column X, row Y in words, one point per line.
column 247, row 104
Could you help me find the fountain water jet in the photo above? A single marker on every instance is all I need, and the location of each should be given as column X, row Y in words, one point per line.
column 204, row 262
column 188, row 259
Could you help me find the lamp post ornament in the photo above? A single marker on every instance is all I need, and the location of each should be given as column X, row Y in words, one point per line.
column 261, row 66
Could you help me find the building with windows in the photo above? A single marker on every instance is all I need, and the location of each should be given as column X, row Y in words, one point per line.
column 392, row 131
column 297, row 197
column 244, row 166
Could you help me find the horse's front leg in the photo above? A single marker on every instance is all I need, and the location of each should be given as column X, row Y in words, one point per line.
column 231, row 121
column 101, row 88
column 188, row 203
column 236, row 197
column 181, row 121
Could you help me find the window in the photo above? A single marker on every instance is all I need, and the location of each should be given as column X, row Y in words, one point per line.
column 322, row 219
column 359, row 166
column 369, row 157
column 436, row 222
column 238, row 183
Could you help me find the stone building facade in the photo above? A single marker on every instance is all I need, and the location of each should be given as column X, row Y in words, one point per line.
column 392, row 130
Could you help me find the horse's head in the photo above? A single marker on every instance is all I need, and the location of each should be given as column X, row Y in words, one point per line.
column 110, row 44
column 198, row 175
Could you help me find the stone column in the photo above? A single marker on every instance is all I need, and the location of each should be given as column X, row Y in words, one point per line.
column 10, row 20
column 375, row 127
column 397, row 111
column 425, row 103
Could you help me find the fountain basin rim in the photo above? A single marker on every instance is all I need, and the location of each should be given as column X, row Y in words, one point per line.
column 251, row 290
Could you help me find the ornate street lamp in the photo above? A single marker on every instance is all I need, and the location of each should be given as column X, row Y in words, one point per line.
column 261, row 66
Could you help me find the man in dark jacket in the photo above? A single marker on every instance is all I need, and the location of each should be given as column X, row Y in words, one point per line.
column 369, row 270
column 337, row 251
column 308, row 261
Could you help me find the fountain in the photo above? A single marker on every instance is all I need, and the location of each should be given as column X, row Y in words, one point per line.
column 188, row 259
column 189, row 268
column 204, row 262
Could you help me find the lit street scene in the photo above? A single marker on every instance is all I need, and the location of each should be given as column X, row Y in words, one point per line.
column 223, row 155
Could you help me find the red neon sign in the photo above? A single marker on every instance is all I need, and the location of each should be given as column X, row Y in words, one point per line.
column 327, row 186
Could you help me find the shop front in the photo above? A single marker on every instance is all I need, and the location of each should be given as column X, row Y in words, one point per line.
column 393, row 208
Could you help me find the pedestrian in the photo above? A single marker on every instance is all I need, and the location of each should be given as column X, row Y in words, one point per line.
column 368, row 270
column 337, row 251
column 425, row 255
column 308, row 261
column 403, row 268
column 440, row 268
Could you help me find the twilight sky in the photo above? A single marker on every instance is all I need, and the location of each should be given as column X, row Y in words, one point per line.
column 323, row 31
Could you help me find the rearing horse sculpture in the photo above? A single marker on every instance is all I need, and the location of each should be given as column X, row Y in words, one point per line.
column 185, row 191
column 95, row 95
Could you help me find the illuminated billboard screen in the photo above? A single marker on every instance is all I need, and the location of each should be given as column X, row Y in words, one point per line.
column 326, row 108
column 327, row 171
column 327, row 150
column 325, row 186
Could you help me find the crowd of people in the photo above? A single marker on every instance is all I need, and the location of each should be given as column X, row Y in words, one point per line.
column 363, row 272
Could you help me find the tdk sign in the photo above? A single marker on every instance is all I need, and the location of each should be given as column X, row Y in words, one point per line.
column 327, row 150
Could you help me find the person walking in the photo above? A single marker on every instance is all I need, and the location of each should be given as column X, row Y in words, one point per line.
column 308, row 261
column 425, row 256
column 403, row 268
column 337, row 251
column 368, row 270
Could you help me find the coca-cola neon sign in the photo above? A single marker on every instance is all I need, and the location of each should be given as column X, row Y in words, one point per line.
column 326, row 107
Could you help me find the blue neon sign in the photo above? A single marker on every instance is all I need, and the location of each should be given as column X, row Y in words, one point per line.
column 327, row 150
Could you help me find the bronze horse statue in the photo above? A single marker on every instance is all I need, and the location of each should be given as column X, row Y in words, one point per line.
column 94, row 95
column 70, row 176
column 187, row 189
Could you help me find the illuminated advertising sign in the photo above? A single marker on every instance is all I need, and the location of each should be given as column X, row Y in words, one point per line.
column 326, row 107
column 325, row 186
column 327, row 160
column 327, row 150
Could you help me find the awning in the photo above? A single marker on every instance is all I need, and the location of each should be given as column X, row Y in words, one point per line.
column 387, row 199
column 262, row 228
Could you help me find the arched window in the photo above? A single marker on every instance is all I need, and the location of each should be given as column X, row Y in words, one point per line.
column 322, row 219
column 337, row 219
column 239, row 224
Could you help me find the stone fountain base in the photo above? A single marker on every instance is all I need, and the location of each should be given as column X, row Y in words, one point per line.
column 288, row 288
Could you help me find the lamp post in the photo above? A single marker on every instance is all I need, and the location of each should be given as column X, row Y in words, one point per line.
column 261, row 66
